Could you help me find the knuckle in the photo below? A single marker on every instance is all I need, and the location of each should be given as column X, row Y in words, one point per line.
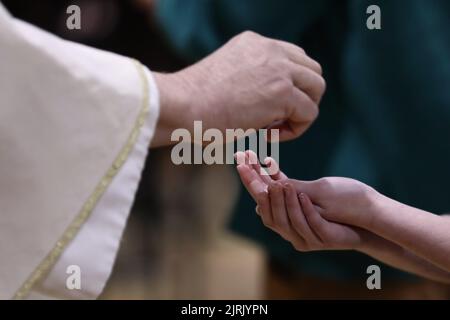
column 300, row 49
column 322, row 85
column 282, row 92
column 324, row 184
column 280, row 87
column 247, row 35
column 319, row 68
column 278, row 66
column 314, row 113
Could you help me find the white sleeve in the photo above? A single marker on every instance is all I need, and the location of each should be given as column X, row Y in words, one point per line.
column 94, row 249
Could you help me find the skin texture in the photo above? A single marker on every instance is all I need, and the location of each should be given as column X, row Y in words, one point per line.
column 344, row 214
column 251, row 82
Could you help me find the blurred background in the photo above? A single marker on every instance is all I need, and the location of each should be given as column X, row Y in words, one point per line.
column 193, row 233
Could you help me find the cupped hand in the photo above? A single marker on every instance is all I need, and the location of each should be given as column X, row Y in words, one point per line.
column 290, row 212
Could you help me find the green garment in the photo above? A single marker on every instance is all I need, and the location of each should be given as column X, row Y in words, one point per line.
column 385, row 119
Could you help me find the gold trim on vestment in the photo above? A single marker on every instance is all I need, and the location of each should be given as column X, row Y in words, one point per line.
column 72, row 230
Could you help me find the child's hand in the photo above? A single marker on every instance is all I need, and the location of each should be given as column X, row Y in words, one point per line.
column 341, row 200
column 285, row 206
column 297, row 220
column 336, row 213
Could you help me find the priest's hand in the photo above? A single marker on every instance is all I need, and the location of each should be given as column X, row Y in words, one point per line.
column 251, row 82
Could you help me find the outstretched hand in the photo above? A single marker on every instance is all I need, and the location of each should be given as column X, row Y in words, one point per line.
column 341, row 214
column 285, row 207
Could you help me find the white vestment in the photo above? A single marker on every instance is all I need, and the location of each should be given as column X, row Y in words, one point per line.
column 75, row 128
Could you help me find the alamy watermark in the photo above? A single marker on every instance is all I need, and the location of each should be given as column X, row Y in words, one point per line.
column 373, row 22
column 212, row 146
column 73, row 21
column 374, row 280
column 73, row 281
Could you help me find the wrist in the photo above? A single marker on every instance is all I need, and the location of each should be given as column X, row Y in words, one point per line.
column 176, row 107
column 366, row 243
column 371, row 243
column 371, row 208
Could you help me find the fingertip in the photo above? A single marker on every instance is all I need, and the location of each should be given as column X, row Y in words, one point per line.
column 250, row 152
column 272, row 166
column 267, row 160
column 252, row 157
column 239, row 157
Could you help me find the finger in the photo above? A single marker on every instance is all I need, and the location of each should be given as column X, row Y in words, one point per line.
column 279, row 214
column 311, row 188
column 254, row 162
column 296, row 216
column 274, row 169
column 298, row 55
column 251, row 181
column 251, row 159
column 248, row 158
column 258, row 191
column 239, row 156
column 318, row 224
column 302, row 113
column 265, row 210
column 308, row 81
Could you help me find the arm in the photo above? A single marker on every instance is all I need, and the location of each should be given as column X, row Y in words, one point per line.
column 300, row 222
column 352, row 202
column 401, row 258
column 425, row 234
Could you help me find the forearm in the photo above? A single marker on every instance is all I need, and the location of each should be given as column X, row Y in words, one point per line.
column 401, row 258
column 422, row 233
